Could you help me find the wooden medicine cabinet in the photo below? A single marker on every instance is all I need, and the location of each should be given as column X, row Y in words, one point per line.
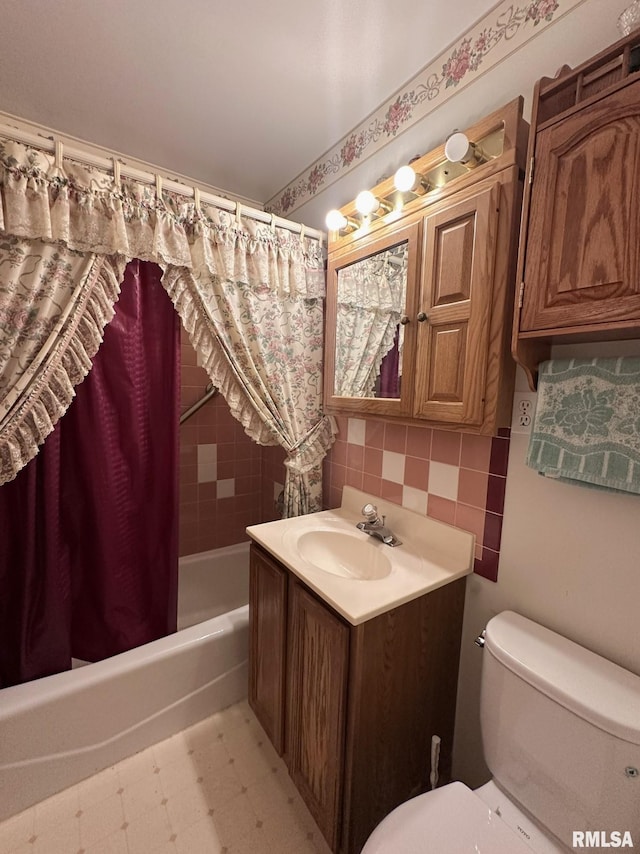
column 420, row 299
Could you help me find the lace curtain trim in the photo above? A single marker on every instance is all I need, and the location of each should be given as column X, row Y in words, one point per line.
column 26, row 425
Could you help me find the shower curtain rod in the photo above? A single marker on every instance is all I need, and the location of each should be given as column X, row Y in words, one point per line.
column 49, row 144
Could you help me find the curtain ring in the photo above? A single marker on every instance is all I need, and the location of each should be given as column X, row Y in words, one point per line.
column 159, row 187
column 196, row 198
column 116, row 172
column 302, row 231
column 59, row 151
column 238, row 216
column 273, row 223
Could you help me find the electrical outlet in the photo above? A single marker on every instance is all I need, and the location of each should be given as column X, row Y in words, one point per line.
column 524, row 404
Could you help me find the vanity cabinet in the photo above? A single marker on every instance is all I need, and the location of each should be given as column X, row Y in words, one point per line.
column 361, row 703
column 452, row 314
column 268, row 633
column 579, row 264
column 317, row 671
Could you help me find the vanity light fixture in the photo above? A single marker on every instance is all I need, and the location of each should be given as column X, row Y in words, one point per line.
column 459, row 149
column 336, row 221
column 408, row 180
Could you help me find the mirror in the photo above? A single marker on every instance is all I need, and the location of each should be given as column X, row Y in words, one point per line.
column 370, row 307
column 371, row 293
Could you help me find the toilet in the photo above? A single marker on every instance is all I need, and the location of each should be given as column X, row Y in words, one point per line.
column 561, row 736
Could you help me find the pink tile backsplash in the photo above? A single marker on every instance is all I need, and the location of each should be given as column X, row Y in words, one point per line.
column 445, row 447
column 472, row 487
column 419, row 442
column 395, row 438
column 467, row 489
column 416, row 472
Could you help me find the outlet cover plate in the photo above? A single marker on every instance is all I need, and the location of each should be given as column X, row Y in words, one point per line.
column 524, row 406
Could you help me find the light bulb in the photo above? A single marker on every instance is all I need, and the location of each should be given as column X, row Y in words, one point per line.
column 366, row 203
column 335, row 220
column 458, row 149
column 404, row 179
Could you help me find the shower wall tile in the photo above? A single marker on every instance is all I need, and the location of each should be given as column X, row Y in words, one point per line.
column 221, row 484
column 457, row 478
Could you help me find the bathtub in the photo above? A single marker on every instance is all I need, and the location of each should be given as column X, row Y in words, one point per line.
column 58, row 730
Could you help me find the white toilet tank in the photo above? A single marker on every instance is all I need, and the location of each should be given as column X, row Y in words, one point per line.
column 561, row 731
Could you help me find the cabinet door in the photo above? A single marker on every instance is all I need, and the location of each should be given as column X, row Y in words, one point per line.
column 316, row 701
column 267, row 651
column 583, row 243
column 455, row 303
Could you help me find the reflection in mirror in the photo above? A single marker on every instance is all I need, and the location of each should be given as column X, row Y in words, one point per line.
column 369, row 334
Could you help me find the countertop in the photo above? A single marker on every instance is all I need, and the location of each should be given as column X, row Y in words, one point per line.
column 432, row 554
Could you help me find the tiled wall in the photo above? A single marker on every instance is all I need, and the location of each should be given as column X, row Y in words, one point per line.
column 226, row 481
column 458, row 478
column 273, row 473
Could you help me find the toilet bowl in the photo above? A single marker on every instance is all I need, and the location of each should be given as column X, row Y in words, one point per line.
column 456, row 820
column 561, row 736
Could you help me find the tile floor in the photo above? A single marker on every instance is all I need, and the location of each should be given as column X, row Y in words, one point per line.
column 216, row 788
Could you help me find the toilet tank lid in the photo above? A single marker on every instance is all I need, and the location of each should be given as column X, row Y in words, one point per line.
column 601, row 692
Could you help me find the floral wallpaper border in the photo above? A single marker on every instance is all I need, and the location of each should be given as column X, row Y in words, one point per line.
column 501, row 32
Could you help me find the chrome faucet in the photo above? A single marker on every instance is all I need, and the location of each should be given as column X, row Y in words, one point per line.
column 375, row 527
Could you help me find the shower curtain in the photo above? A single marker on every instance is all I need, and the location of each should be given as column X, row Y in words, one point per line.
column 88, row 529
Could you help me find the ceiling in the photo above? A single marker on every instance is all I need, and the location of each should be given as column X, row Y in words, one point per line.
column 240, row 95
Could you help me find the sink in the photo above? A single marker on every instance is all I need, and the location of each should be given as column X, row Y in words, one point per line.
column 342, row 553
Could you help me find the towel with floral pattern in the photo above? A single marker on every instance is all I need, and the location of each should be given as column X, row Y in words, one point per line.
column 586, row 427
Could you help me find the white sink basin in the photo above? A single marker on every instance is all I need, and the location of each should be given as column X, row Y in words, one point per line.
column 348, row 555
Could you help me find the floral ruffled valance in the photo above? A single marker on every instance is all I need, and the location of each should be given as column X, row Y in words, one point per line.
column 90, row 210
column 249, row 294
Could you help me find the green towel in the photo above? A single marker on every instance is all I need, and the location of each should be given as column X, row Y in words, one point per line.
column 586, row 428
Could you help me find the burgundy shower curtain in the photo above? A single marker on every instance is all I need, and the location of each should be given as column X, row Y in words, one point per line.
column 88, row 530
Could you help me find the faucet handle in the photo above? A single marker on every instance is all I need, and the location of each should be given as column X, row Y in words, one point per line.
column 370, row 512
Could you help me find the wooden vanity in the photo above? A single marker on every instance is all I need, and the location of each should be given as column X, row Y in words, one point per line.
column 352, row 708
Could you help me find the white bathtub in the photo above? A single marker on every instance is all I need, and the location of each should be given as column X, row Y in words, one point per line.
column 58, row 730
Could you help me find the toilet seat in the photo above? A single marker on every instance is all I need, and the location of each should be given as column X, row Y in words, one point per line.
column 450, row 820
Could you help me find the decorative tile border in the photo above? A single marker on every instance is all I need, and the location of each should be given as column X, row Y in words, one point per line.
column 505, row 29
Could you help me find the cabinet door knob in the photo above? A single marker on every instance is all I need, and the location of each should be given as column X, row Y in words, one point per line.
column 421, row 317
column 404, row 320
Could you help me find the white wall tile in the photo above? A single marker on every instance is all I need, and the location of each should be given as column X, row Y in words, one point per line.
column 415, row 499
column 207, row 472
column 393, row 466
column 226, row 488
column 356, row 431
column 207, row 453
column 443, row 480
column 207, row 463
